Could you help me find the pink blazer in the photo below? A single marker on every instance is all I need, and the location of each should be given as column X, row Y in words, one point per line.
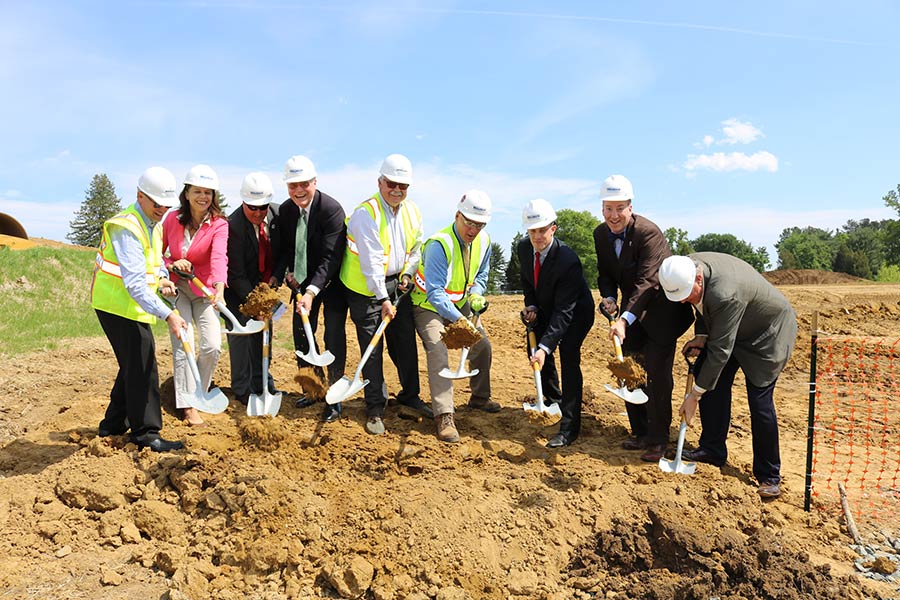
column 208, row 251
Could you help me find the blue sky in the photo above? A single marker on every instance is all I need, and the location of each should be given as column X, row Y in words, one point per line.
column 740, row 118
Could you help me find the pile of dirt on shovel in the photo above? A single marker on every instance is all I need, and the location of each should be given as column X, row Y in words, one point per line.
column 260, row 302
column 461, row 334
column 629, row 371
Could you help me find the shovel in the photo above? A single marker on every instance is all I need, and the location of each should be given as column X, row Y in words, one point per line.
column 676, row 466
column 637, row 396
column 539, row 407
column 312, row 357
column 345, row 388
column 265, row 403
column 252, row 326
column 460, row 372
column 212, row 401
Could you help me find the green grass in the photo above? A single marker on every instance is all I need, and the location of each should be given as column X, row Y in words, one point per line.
column 44, row 297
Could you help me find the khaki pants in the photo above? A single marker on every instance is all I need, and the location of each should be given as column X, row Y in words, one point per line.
column 429, row 325
column 194, row 309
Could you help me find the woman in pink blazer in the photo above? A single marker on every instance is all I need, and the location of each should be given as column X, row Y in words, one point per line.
column 195, row 236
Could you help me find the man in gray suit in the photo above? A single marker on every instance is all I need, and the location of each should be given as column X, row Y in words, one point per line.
column 742, row 322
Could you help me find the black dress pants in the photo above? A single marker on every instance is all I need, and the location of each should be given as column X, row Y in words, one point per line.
column 134, row 399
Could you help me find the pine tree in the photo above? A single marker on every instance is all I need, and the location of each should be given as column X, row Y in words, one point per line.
column 100, row 203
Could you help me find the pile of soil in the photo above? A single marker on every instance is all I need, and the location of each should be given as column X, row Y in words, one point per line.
column 810, row 277
column 289, row 507
column 460, row 334
column 628, row 370
column 260, row 302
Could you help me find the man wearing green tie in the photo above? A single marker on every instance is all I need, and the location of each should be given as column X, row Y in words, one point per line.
column 309, row 245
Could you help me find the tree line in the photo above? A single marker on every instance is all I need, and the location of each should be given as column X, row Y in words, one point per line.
column 865, row 248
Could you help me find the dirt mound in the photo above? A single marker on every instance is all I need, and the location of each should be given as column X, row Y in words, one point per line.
column 670, row 553
column 809, row 277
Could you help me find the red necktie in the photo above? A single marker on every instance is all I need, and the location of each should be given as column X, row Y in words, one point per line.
column 265, row 254
column 537, row 267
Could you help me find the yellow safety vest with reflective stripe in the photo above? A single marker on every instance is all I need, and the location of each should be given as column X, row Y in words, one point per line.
column 108, row 291
column 411, row 218
column 458, row 281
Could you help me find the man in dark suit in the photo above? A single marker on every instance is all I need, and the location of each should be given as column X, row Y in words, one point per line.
column 743, row 322
column 308, row 253
column 250, row 261
column 629, row 250
column 559, row 304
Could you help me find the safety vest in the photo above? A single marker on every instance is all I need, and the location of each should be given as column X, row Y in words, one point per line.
column 458, row 282
column 108, row 291
column 411, row 218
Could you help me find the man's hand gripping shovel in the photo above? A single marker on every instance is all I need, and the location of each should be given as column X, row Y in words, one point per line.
column 636, row 396
column 345, row 388
column 252, row 326
column 460, row 372
column 212, row 401
column 676, row 466
column 538, row 406
column 312, row 357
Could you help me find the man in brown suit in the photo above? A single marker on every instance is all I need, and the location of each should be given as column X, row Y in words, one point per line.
column 630, row 250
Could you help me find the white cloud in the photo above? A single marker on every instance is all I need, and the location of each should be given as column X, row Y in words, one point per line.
column 708, row 140
column 733, row 161
column 737, row 132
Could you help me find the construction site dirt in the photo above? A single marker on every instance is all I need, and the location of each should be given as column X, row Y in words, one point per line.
column 290, row 507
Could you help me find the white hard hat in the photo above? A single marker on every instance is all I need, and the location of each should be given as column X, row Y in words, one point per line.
column 475, row 205
column 202, row 176
column 537, row 213
column 159, row 184
column 256, row 190
column 676, row 276
column 299, row 168
column 616, row 188
column 397, row 167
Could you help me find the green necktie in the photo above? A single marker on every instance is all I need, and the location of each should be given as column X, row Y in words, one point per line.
column 300, row 248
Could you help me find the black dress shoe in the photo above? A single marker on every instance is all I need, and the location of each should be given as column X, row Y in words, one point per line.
column 158, row 444
column 304, row 401
column 654, row 453
column 108, row 431
column 559, row 440
column 704, row 456
column 419, row 406
column 331, row 413
column 634, row 443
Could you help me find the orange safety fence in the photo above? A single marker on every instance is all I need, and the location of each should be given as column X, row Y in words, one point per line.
column 854, row 427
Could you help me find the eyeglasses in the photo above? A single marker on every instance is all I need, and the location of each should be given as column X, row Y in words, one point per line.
column 255, row 208
column 153, row 202
column 393, row 184
column 472, row 224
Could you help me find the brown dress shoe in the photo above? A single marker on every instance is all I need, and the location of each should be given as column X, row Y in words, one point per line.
column 770, row 489
column 485, row 404
column 654, row 453
column 634, row 443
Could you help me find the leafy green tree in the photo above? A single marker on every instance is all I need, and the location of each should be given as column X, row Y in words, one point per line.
column 576, row 229
column 852, row 262
column 889, row 274
column 100, row 203
column 807, row 248
column 867, row 237
column 678, row 241
column 891, row 234
column 496, row 269
column 513, row 268
column 727, row 243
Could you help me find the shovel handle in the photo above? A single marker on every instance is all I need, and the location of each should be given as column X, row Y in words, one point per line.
column 690, row 378
column 532, row 342
column 618, row 346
